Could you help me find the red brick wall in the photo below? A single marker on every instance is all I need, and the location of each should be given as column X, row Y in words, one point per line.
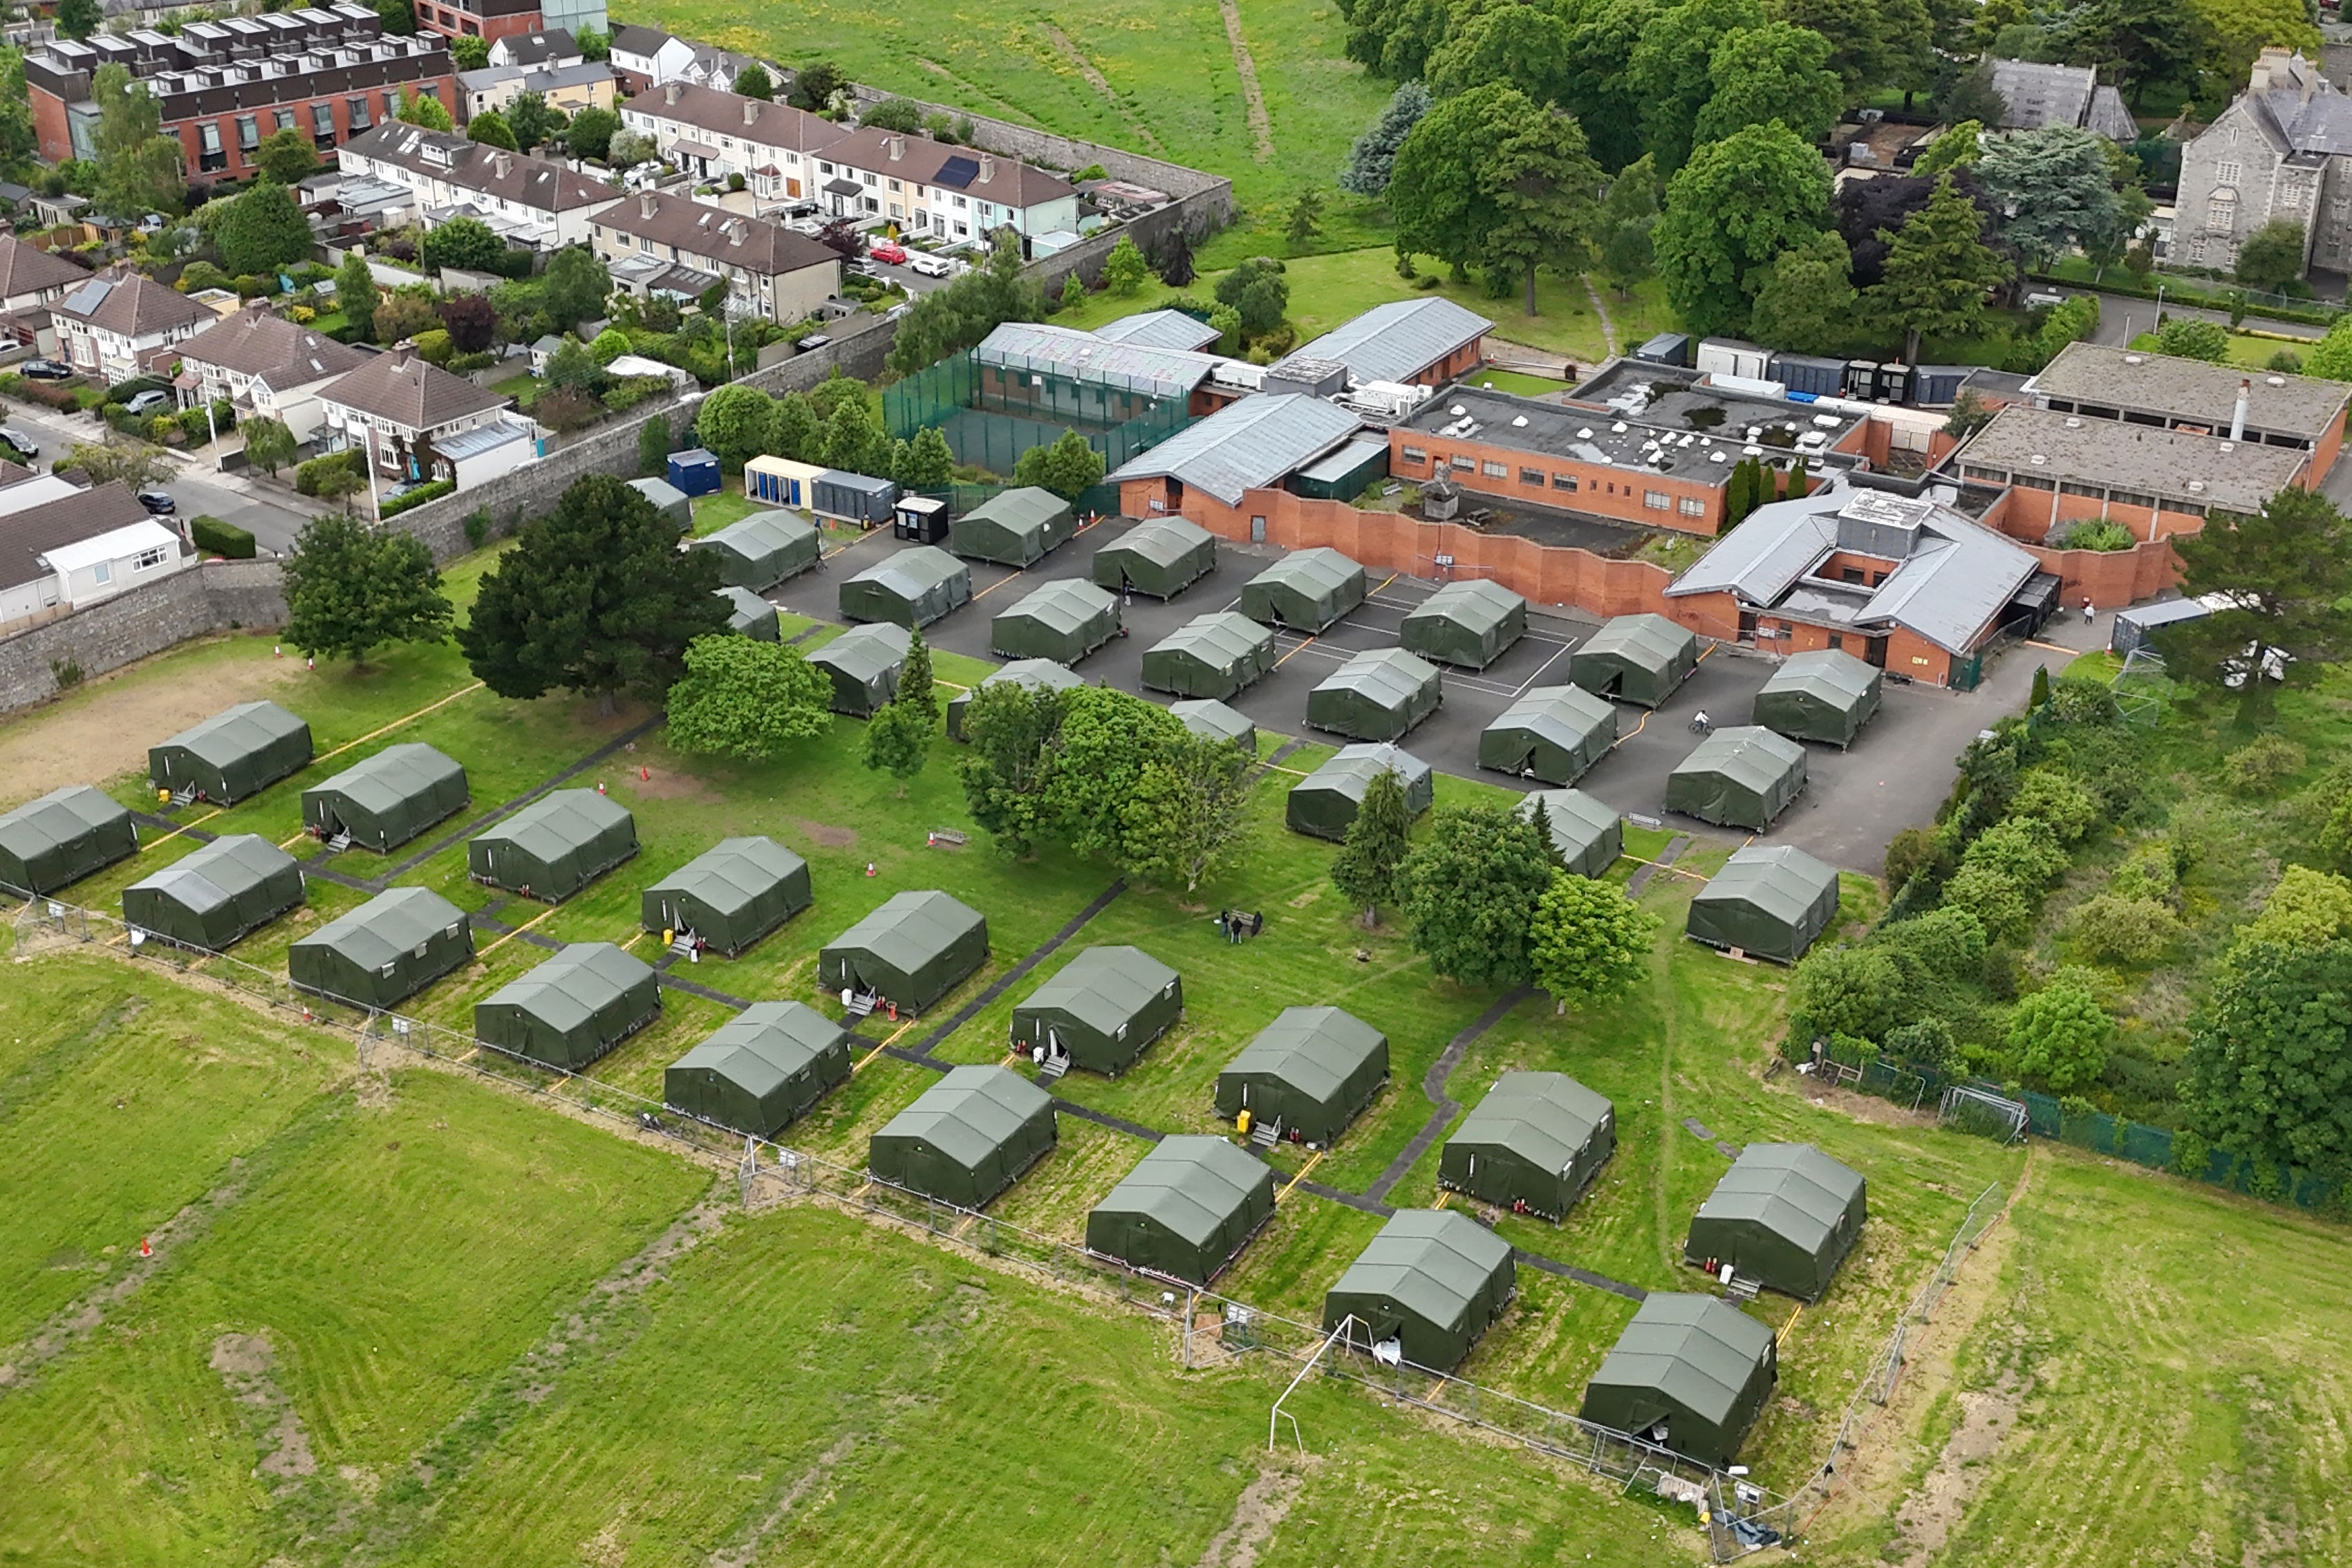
column 1718, row 615
column 1601, row 490
column 50, row 126
column 2110, row 578
column 2323, row 451
column 191, row 147
column 450, row 21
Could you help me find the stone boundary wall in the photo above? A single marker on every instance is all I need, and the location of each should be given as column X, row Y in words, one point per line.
column 190, row 602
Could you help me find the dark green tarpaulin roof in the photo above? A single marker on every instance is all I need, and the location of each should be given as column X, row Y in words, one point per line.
column 235, row 753
column 762, row 549
column 1326, row 801
column 1589, row 832
column 1186, row 1210
column 1825, row 695
column 1378, row 695
column 864, row 663
column 1015, row 528
column 1469, row 624
column 388, row 799
column 1066, row 620
column 1538, row 1138
column 762, row 1069
column 1432, row 1280
column 573, row 1008
column 1771, row 901
column 1037, row 674
column 1785, row 1213
column 62, row 837
column 230, row 887
column 668, row 499
column 1216, row 654
column 1104, row 1007
column 1742, row 775
column 912, row 588
column 1211, row 719
column 914, row 950
column 748, row 614
column 730, row 895
column 394, row 945
column 968, row 1137
column 1162, row 557
column 1553, row 733
column 1307, row 590
column 1703, row 1367
column 1638, row 659
column 1313, row 1069
column 555, row 846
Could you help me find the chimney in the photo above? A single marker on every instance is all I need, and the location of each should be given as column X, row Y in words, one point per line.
column 750, row 112
column 2237, row 416
column 647, row 201
column 987, row 168
column 897, row 145
column 733, row 229
column 670, row 91
column 501, row 165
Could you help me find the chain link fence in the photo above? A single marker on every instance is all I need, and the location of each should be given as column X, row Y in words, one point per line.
column 988, row 426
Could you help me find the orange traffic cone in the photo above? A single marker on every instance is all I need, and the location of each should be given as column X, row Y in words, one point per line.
column 645, row 773
column 146, row 1248
column 893, row 1012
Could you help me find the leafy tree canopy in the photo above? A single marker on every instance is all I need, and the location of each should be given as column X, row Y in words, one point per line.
column 1729, row 214
column 744, row 698
column 1586, row 939
column 352, row 587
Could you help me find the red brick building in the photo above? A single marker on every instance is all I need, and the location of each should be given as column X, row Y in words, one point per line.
column 480, row 18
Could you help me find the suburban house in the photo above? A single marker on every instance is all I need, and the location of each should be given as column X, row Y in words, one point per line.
column 61, row 551
column 2039, row 95
column 548, row 47
column 527, row 202
column 31, row 279
column 1426, row 342
column 263, row 365
column 407, row 413
column 583, row 84
column 709, row 132
column 657, row 242
column 109, row 322
column 2282, row 150
column 647, row 57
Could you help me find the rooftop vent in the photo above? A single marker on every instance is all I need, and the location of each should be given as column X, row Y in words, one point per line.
column 1457, row 411
column 1618, row 428
column 2197, row 486
column 1519, row 422
column 2274, row 381
column 1585, row 434
column 2037, row 459
column 2073, row 423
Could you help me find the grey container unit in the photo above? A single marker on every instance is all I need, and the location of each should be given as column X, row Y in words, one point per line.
column 1376, row 696
column 387, row 800
column 750, row 615
column 1553, row 733
column 2136, row 628
column 1587, row 833
column 238, row 752
column 1741, row 776
column 1785, row 1214
column 554, row 847
column 1824, row 695
column 1808, row 372
column 1211, row 719
column 762, row 549
column 666, row 499
column 864, row 664
column 1307, row 590
column 228, row 888
column 1466, row 624
column 1773, row 900
column 62, row 837
column 912, row 589
column 1015, row 527
column 573, row 1008
column 853, row 498
column 1065, row 621
column 1531, row 1146
column 1641, row 659
column 1310, row 1072
column 1037, row 674
column 1159, row 559
column 386, row 951
column 1324, row 803
column 1667, row 348
column 762, row 1070
column 1101, row 1011
column 1217, row 655
column 1938, row 385
column 1432, row 1282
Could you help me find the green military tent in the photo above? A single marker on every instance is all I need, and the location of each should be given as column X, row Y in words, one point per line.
column 386, row 800
column 1185, row 1211
column 1376, row 696
column 728, row 897
column 1432, row 1282
column 1532, row 1145
column 1467, row 624
column 1785, row 1215
column 1015, row 527
column 1739, row 776
column 912, row 589
column 1690, row 1373
column 912, row 951
column 1212, row 721
column 1326, row 801
column 1159, row 559
column 1587, row 833
column 967, row 1138
column 238, row 752
column 675, row 505
column 1100, row 1012
column 1216, row 655
column 555, row 846
column 762, row 549
column 748, row 614
column 762, row 1070
column 1066, row 620
column 573, row 1008
column 1037, row 674
column 1553, row 733
column 388, row 948
column 1770, row 900
column 1308, row 591
column 230, row 887
column 1639, row 659
column 62, row 837
column 1306, row 1075
column 1825, row 695
column 863, row 663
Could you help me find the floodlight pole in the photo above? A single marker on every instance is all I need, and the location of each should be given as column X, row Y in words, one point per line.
column 1279, row 1413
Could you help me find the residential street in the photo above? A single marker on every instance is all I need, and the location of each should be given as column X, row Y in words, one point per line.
column 197, row 487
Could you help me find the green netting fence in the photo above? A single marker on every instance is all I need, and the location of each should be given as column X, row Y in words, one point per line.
column 992, row 433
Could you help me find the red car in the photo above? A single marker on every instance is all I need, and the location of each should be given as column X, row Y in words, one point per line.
column 889, row 254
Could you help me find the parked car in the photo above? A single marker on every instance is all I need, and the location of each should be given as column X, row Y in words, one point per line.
column 149, row 402
column 15, row 437
column 811, row 227
column 888, row 252
column 158, row 503
column 931, row 266
column 46, row 370
column 814, row 341
column 400, row 488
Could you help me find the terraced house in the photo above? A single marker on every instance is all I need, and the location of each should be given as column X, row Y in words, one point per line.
column 261, row 363
column 527, row 202
column 657, row 242
column 111, row 322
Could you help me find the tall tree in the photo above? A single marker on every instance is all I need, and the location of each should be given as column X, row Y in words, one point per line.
column 1125, row 272
column 1470, row 891
column 1069, row 466
column 355, row 292
column 350, row 588
column 1587, row 940
column 2286, row 573
column 1107, row 738
column 1873, row 43
column 18, row 140
column 1185, row 812
column 813, row 87
column 78, row 19
column 533, row 120
column 1670, row 71
column 930, row 461
column 1742, row 202
column 753, row 81
column 740, row 697
column 1373, row 157
column 1772, row 72
column 589, row 134
column 1599, row 86
column 268, row 443
column 2140, row 41
column 263, row 230
column 1808, row 302
column 424, row 109
column 2272, row 256
column 1523, row 47
column 286, row 156
column 1626, row 249
column 2270, row 1060
column 2055, row 189
column 470, row 54
column 1938, row 272
column 1393, row 39
column 138, row 167
column 1546, row 193
column 737, row 422
column 917, row 689
column 490, row 129
column 897, row 741
column 1491, row 179
column 575, row 287
column 1369, row 868
column 1957, row 148
column 1008, row 726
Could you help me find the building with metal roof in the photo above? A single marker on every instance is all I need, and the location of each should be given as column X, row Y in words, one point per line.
column 1587, row 832
column 1643, row 659
column 2138, row 628
column 1324, row 803
column 1212, row 721
column 1551, row 733
column 387, row 800
column 967, row 1138
column 1185, row 1211
column 912, row 589
column 1099, row 1011
column 914, row 950
column 1428, row 1285
column 1469, row 624
column 573, row 1008
column 750, row 615
column 231, row 887
column 762, row 549
column 864, row 664
column 237, row 753
column 762, row 1070
column 1427, row 340
column 1378, row 695
column 1161, row 330
column 555, row 846
column 1159, row 558
column 1690, row 1373
column 1063, row 621
column 1307, row 1074
column 1531, row 1146
column 1738, row 776
column 1217, row 655
column 1250, row 444
column 1306, row 590
column 1128, row 365
column 384, row 951
column 1825, row 695
column 1785, row 1214
column 1018, row 527
column 728, row 897
column 1770, row 900
column 1037, row 674
column 62, row 837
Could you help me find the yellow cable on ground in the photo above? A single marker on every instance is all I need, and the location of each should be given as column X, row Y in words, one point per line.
column 396, row 723
column 1302, row 1175
column 183, row 828
column 1286, row 657
column 884, row 1046
column 518, row 931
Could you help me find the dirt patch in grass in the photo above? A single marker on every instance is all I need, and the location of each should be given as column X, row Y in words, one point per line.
column 1253, row 96
column 1936, row 1504
column 826, row 834
column 247, row 1365
column 1258, row 1513
column 662, row 784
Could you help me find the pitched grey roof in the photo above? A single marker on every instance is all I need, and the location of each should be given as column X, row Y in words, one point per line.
column 569, row 989
column 1191, row 1184
column 29, row 269
column 257, row 341
column 1793, row 1190
column 760, row 1049
column 218, row 872
column 1066, row 605
column 1831, row 675
column 555, row 825
column 1545, row 1117
column 1398, row 340
column 1159, row 329
column 233, row 732
column 1245, row 446
column 715, row 235
column 1218, row 639
column 1126, row 366
column 1473, row 603
column 733, row 873
column 1749, row 755
column 1211, row 719
column 910, row 574
column 26, row 535
column 1779, row 879
column 393, row 775
column 414, row 396
column 1388, row 676
column 1352, row 769
column 970, row 1113
column 1697, row 1351
column 908, row 930
column 2039, row 95
column 387, row 926
column 539, row 184
column 1105, row 987
column 129, row 304
column 1435, row 1263
column 865, row 651
column 1037, row 674
column 1314, row 1049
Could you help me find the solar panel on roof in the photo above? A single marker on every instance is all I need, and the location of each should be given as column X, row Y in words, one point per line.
column 958, row 172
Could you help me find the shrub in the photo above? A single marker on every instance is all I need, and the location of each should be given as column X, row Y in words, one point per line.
column 1843, row 990
column 2024, row 848
column 2127, row 930
column 198, row 274
column 224, row 539
column 2055, row 799
column 477, row 527
column 1912, row 851
column 2002, row 908
column 1927, row 1043
column 124, row 392
column 2152, row 870
column 2059, row 1035
column 1950, row 941
column 419, row 496
column 564, row 410
column 2192, row 1156
column 308, row 475
column 2306, row 909
column 2106, row 536
column 433, row 346
column 461, row 365
column 2262, row 765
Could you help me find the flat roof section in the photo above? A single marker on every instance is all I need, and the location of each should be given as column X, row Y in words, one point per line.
column 1695, row 435
column 2038, row 449
column 2191, row 390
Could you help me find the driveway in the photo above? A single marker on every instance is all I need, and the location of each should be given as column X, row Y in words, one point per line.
column 200, row 489
column 2123, row 317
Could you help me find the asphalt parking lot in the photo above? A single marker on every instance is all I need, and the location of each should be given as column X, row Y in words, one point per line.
column 1854, row 803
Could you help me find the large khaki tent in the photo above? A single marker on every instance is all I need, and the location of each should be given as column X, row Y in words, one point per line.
column 728, row 897
column 1307, row 590
column 862, row 664
column 1689, row 1372
column 230, row 887
column 1216, row 655
column 1037, row 674
column 1825, row 695
column 1376, row 696
column 573, row 1008
column 1326, row 801
column 1016, row 527
column 762, row 549
column 1466, row 624
column 675, row 505
column 1159, row 559
column 1432, row 1280
column 1587, row 833
column 912, row 589
column 62, row 837
column 1552, row 733
column 1065, row 621
column 1770, row 900
column 1639, row 659
column 388, row 799
column 1100, row 1012
column 762, row 1070
column 967, row 1138
column 388, row 948
column 1186, row 1211
column 1532, row 1145
column 238, row 752
column 1785, row 1215
column 1212, row 721
column 750, row 615
column 1739, row 776
column 555, row 846
column 912, row 951
column 1309, row 1073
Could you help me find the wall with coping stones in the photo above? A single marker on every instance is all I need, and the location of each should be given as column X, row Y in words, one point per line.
column 142, row 621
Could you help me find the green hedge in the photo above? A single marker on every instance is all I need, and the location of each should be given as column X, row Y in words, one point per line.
column 307, row 475
column 223, row 539
column 419, row 496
